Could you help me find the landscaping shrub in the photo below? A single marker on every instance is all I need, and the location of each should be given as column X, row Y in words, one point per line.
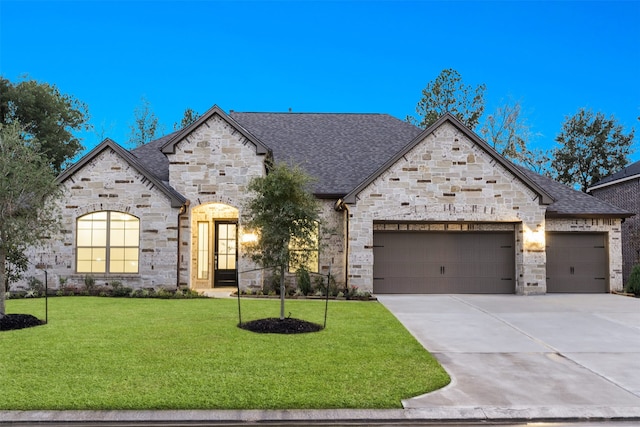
column 633, row 285
column 304, row 281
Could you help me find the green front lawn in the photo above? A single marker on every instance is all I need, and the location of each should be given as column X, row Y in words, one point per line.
column 124, row 353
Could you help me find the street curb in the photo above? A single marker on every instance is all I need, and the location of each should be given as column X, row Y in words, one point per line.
column 311, row 416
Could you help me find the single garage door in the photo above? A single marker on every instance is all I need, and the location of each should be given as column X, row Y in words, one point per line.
column 443, row 262
column 577, row 262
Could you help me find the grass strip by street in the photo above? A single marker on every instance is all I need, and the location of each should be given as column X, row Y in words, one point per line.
column 129, row 353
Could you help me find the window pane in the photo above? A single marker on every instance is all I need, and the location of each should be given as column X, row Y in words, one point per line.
column 117, row 254
column 116, row 237
column 222, row 231
column 131, row 266
column 203, row 250
column 84, row 267
column 99, row 260
column 99, row 235
column 84, row 254
column 84, row 237
column 132, row 236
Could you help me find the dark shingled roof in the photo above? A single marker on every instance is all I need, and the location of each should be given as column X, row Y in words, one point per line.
column 342, row 150
column 339, row 149
column 633, row 170
column 152, row 158
column 573, row 203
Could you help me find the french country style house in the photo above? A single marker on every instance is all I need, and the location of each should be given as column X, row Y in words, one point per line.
column 408, row 210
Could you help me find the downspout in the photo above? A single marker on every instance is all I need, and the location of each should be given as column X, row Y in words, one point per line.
column 182, row 211
column 341, row 206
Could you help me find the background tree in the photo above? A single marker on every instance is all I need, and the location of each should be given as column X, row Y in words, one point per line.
column 28, row 191
column 507, row 131
column 189, row 116
column 47, row 115
column 447, row 93
column 591, row 147
column 145, row 125
column 283, row 212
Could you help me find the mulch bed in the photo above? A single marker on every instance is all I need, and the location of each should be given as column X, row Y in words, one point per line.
column 275, row 325
column 19, row 321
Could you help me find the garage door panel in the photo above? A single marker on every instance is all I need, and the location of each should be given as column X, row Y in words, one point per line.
column 439, row 262
column 577, row 262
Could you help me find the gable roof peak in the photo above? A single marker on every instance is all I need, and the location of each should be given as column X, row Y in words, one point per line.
column 176, row 199
column 169, row 146
column 544, row 197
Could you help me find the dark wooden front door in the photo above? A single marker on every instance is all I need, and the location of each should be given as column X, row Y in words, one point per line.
column 226, row 254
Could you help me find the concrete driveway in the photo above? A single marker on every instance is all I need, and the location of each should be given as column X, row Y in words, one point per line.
column 557, row 355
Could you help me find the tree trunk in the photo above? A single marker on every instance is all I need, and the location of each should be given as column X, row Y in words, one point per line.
column 282, row 292
column 3, row 279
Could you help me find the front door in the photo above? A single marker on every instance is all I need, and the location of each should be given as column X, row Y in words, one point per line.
column 226, row 254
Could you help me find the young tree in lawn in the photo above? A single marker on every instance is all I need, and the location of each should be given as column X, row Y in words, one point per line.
column 591, row 147
column 447, row 93
column 284, row 213
column 28, row 192
column 145, row 125
column 47, row 115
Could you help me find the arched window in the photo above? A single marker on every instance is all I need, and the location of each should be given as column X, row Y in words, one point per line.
column 107, row 242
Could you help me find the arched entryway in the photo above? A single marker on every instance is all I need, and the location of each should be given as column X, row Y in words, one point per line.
column 214, row 246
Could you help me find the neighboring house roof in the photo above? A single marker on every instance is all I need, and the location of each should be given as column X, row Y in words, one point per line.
column 176, row 198
column 572, row 203
column 545, row 197
column 338, row 149
column 630, row 172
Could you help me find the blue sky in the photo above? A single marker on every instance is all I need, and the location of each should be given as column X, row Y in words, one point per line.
column 329, row 56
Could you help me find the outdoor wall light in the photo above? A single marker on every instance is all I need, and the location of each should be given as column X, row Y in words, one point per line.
column 534, row 239
column 248, row 238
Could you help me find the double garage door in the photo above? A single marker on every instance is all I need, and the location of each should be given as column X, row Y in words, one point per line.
column 443, row 262
column 482, row 262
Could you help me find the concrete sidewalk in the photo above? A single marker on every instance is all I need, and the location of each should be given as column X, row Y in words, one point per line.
column 550, row 356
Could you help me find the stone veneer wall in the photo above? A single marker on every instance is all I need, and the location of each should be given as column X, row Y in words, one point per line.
column 213, row 164
column 109, row 183
column 612, row 227
column 332, row 242
column 447, row 178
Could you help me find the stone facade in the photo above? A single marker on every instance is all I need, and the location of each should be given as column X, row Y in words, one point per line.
column 449, row 180
column 213, row 164
column 109, row 183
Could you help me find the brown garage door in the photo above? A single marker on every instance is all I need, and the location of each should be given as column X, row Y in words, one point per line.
column 577, row 262
column 433, row 262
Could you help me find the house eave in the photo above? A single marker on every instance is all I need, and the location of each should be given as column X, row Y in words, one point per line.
column 558, row 215
column 614, row 182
